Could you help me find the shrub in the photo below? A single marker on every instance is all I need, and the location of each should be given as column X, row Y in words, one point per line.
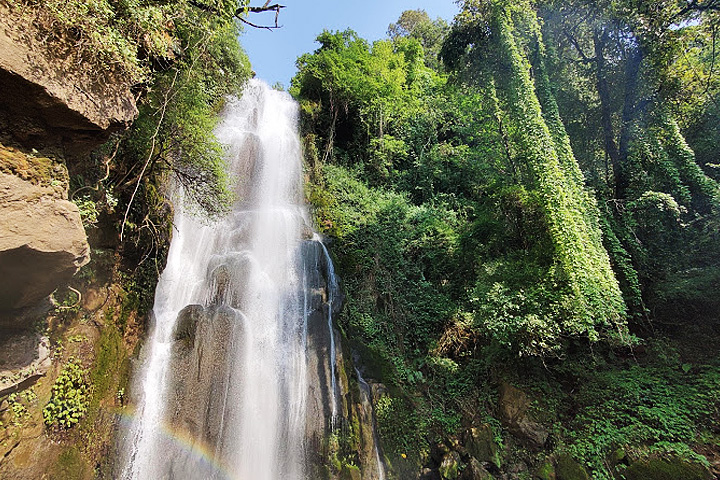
column 69, row 400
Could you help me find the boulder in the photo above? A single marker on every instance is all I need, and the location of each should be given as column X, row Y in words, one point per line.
column 42, row 241
column 567, row 468
column 546, row 471
column 671, row 468
column 187, row 322
column 514, row 413
column 451, row 466
column 480, row 444
column 475, row 471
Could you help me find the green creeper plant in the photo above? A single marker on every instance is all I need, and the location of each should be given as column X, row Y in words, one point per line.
column 583, row 264
column 70, row 400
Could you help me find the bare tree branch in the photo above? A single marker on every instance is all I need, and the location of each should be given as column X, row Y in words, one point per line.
column 241, row 12
column 262, row 27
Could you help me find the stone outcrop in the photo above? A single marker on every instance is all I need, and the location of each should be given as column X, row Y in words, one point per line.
column 42, row 239
column 24, row 358
column 50, row 99
column 201, row 352
column 50, row 102
column 480, row 444
column 515, row 415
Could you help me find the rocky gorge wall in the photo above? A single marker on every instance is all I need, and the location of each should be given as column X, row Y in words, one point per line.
column 54, row 110
column 50, row 98
column 63, row 109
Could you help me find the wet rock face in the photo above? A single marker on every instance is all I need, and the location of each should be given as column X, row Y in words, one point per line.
column 49, row 100
column 514, row 412
column 199, row 373
column 42, row 242
column 318, row 347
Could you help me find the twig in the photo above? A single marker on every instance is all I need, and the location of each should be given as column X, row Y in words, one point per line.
column 65, row 307
column 150, row 155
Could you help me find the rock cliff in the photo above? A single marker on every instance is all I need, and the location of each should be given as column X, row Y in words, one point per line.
column 49, row 99
column 54, row 111
column 42, row 240
column 63, row 108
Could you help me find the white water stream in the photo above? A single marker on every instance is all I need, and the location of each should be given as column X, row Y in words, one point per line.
column 262, row 427
column 332, row 292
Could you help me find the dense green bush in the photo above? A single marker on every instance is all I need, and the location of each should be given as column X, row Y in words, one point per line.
column 70, row 400
column 651, row 409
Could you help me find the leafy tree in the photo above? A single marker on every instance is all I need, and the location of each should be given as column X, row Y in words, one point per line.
column 631, row 66
column 539, row 140
column 476, row 221
column 418, row 25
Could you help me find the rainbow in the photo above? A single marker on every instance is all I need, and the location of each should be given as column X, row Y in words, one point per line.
column 198, row 452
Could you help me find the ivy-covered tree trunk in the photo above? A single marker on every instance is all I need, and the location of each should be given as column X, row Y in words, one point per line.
column 704, row 191
column 582, row 262
column 621, row 171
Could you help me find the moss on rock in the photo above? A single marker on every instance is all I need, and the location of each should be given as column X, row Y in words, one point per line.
column 666, row 469
column 567, row 468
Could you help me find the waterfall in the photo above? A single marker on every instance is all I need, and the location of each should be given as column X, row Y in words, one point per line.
column 223, row 385
column 332, row 286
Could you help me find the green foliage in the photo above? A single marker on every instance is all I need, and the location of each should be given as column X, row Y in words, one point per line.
column 400, row 427
column 88, row 210
column 582, row 260
column 174, row 132
column 123, row 38
column 629, row 106
column 69, row 401
column 658, row 408
column 470, row 245
column 572, row 289
column 109, row 365
column 418, row 25
column 399, row 271
column 172, row 141
column 19, row 403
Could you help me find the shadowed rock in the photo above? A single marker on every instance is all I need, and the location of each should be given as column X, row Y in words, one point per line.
column 42, row 242
column 51, row 100
column 199, row 372
column 514, row 412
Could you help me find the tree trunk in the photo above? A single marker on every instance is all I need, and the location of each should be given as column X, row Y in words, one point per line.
column 632, row 70
column 611, row 148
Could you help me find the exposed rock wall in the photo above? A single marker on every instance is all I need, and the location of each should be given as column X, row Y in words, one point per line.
column 50, row 99
column 54, row 111
column 42, row 240
column 50, row 102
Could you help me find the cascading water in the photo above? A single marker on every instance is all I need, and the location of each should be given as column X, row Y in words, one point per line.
column 332, row 292
column 224, row 385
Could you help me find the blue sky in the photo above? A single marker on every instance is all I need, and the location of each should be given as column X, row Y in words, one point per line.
column 273, row 53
